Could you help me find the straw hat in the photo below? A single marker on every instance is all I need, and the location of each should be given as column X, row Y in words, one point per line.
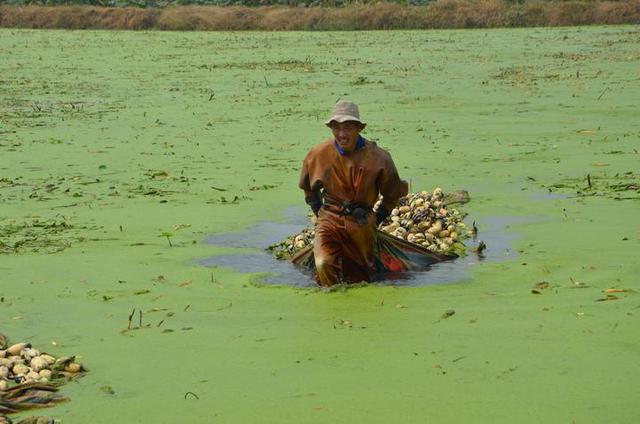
column 343, row 112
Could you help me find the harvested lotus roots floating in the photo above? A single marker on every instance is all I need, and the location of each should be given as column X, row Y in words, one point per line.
column 423, row 218
column 30, row 378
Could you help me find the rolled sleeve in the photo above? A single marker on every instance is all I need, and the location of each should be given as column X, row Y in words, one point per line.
column 306, row 176
column 391, row 186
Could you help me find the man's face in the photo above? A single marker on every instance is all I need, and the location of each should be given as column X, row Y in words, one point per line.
column 346, row 133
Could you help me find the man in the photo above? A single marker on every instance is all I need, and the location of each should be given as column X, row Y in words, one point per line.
column 342, row 178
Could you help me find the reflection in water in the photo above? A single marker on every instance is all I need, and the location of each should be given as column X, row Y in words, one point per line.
column 493, row 231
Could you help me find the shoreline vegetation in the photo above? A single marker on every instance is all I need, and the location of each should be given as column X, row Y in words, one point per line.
column 440, row 14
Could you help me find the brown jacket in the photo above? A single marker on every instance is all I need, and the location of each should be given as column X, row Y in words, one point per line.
column 357, row 177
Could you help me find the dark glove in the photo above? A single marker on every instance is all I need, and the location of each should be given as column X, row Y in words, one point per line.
column 361, row 215
column 381, row 214
column 315, row 202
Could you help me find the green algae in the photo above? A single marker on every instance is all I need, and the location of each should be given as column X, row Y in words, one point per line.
column 128, row 136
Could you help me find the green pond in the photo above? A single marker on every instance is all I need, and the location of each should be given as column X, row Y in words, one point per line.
column 122, row 153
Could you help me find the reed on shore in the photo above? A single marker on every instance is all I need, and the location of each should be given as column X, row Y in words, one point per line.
column 380, row 16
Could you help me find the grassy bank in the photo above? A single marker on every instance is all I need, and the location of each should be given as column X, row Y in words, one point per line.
column 438, row 14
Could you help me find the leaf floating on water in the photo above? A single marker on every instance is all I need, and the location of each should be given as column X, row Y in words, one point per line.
column 224, row 201
column 458, row 196
column 448, row 313
column 542, row 285
column 586, row 131
column 480, row 248
column 342, row 323
column 225, row 307
column 614, row 290
column 608, row 297
column 107, row 390
column 578, row 284
column 263, row 187
column 158, row 309
column 399, row 306
column 156, row 173
column 539, row 287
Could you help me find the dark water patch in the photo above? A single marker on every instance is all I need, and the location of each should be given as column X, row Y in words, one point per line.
column 277, row 272
column 494, row 231
column 550, row 195
column 263, row 234
column 499, row 238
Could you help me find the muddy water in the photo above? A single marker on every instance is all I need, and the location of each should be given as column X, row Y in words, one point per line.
column 495, row 232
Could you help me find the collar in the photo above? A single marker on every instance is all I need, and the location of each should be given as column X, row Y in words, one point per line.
column 359, row 145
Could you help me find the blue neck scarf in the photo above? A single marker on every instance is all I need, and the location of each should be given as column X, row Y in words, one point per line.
column 359, row 145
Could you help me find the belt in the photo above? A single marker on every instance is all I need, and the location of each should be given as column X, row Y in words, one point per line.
column 346, row 208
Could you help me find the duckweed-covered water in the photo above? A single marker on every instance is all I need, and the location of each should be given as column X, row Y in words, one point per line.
column 121, row 153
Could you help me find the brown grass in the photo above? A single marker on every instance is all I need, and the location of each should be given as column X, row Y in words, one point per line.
column 439, row 14
column 77, row 17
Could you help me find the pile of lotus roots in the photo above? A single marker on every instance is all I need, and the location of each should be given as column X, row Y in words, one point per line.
column 30, row 379
column 423, row 218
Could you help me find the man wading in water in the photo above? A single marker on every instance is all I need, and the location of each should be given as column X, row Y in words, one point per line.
column 342, row 178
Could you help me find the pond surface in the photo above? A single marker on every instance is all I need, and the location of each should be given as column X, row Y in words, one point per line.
column 213, row 134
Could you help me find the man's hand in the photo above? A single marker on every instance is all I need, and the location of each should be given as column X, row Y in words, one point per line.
column 315, row 202
column 361, row 215
column 381, row 214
